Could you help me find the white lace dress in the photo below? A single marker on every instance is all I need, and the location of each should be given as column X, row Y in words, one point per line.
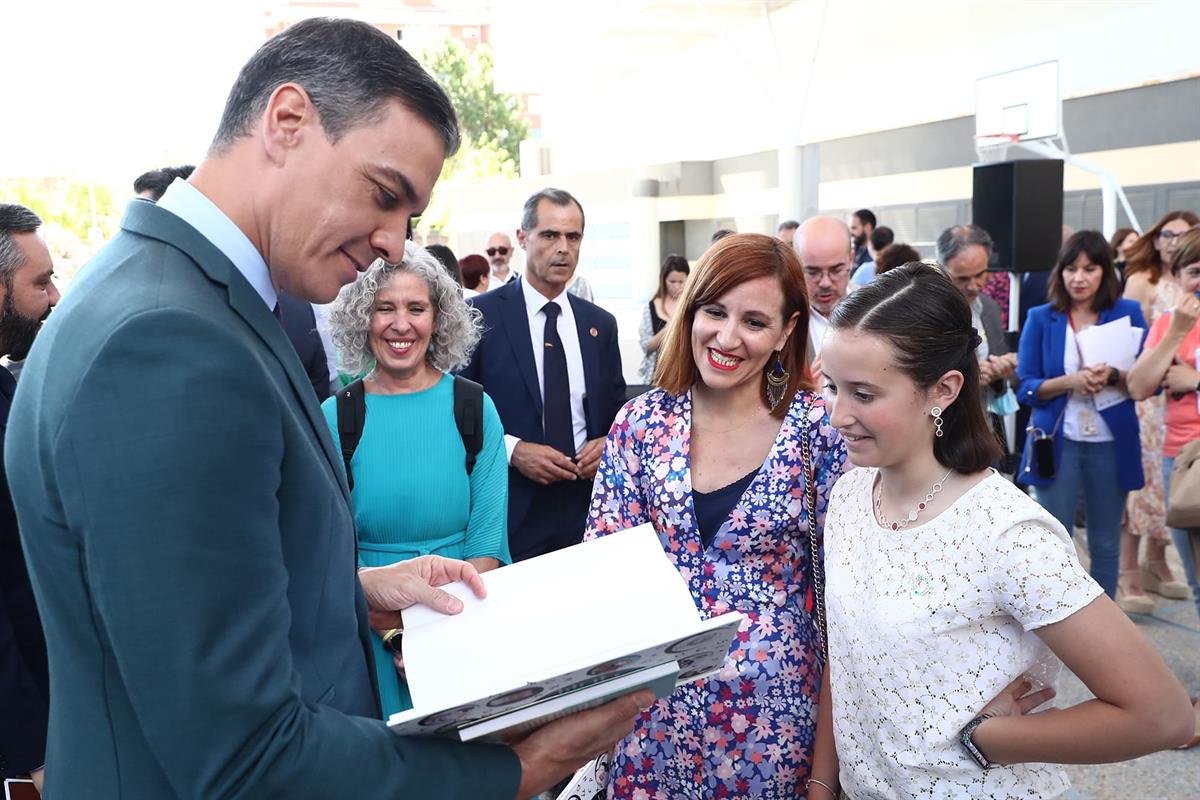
column 928, row 624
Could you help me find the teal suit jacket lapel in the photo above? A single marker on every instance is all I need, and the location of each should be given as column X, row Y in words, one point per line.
column 147, row 219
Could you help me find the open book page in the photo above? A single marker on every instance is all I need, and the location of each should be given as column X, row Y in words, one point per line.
column 547, row 616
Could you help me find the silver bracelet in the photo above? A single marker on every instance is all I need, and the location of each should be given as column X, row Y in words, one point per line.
column 824, row 786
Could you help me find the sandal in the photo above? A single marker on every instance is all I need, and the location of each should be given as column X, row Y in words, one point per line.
column 1133, row 600
column 1169, row 588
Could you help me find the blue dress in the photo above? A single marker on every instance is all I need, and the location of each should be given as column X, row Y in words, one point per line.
column 412, row 496
column 748, row 731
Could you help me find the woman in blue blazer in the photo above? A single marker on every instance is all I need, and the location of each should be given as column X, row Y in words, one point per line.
column 1098, row 450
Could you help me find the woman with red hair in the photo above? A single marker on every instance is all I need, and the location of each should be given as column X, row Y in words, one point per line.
column 731, row 459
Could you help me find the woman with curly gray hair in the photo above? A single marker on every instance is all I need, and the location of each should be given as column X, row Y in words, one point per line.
column 405, row 327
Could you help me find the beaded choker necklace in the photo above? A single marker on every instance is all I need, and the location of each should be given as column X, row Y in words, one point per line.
column 912, row 515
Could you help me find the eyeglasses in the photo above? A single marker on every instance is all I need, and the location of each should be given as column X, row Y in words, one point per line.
column 491, row 251
column 1168, row 236
column 833, row 273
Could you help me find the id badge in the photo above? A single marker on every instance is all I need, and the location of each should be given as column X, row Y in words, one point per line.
column 1087, row 422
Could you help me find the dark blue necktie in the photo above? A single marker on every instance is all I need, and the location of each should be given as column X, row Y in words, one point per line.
column 556, row 396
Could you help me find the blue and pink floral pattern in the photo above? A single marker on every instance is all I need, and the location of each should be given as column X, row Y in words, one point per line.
column 748, row 731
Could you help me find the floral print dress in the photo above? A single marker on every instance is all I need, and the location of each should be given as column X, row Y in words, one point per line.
column 748, row 731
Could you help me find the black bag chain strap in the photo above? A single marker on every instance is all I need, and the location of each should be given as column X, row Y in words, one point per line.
column 816, row 569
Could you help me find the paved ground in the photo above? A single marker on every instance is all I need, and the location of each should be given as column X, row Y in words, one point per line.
column 1174, row 629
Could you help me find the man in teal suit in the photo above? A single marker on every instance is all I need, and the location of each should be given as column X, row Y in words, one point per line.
column 187, row 525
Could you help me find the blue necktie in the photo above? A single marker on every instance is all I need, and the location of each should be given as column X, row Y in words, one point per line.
column 556, row 396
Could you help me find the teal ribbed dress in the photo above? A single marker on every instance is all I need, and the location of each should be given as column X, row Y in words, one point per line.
column 412, row 496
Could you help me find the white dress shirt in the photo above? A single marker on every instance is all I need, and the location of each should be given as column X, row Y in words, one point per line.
column 1080, row 409
column 817, row 326
column 534, row 301
column 190, row 205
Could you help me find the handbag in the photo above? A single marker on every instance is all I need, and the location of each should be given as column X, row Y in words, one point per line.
column 1183, row 500
column 1042, row 458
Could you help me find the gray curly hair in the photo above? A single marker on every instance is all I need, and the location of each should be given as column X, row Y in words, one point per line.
column 457, row 325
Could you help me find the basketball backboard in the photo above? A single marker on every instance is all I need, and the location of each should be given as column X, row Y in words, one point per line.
column 1022, row 103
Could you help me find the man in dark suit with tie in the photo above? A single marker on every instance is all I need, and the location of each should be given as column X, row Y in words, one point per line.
column 181, row 503
column 551, row 364
column 27, row 293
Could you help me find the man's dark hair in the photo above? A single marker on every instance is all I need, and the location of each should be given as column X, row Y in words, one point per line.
column 865, row 216
column 790, row 225
column 881, row 237
column 559, row 197
column 349, row 69
column 447, row 259
column 721, row 233
column 1093, row 245
column 156, row 181
column 952, row 241
column 14, row 219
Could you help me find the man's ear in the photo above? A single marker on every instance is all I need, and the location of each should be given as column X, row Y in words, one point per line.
column 521, row 239
column 287, row 119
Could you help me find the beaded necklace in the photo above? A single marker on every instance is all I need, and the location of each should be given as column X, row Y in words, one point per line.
column 912, row 515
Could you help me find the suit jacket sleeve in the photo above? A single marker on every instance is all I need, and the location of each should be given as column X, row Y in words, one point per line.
column 614, row 381
column 993, row 327
column 300, row 324
column 182, row 553
column 24, row 695
column 1030, row 370
column 24, row 675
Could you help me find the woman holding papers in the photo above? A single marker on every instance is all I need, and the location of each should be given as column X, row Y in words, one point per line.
column 406, row 326
column 1151, row 284
column 953, row 598
column 1169, row 363
column 717, row 459
column 1084, row 430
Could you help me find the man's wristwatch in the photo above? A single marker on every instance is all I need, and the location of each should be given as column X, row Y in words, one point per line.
column 1114, row 376
column 968, row 744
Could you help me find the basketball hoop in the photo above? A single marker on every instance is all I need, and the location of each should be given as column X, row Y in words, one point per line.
column 994, row 146
column 990, row 140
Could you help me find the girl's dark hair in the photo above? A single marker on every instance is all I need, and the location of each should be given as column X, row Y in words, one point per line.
column 672, row 263
column 1117, row 238
column 895, row 255
column 1093, row 245
column 924, row 317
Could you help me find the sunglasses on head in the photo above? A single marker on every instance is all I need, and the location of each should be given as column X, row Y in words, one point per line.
column 491, row 251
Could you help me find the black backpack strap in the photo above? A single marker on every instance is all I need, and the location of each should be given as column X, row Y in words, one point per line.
column 468, row 416
column 351, row 417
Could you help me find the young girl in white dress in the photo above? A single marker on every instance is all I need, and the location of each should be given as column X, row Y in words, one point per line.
column 953, row 598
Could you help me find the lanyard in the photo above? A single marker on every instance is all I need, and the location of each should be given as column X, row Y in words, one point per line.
column 1075, row 338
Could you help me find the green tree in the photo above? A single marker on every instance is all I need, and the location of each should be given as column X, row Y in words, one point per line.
column 493, row 125
column 74, row 205
column 489, row 120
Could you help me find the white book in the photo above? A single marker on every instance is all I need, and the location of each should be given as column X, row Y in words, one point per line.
column 554, row 625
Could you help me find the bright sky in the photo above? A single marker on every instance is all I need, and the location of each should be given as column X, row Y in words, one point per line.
column 110, row 90
column 107, row 89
